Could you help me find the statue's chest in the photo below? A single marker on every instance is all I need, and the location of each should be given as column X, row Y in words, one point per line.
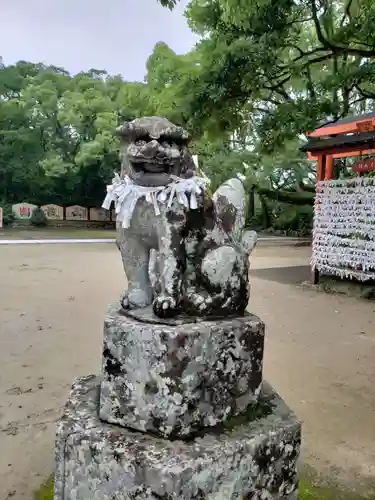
column 144, row 220
column 147, row 223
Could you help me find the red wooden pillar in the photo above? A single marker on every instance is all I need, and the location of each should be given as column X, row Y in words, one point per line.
column 328, row 168
column 321, row 174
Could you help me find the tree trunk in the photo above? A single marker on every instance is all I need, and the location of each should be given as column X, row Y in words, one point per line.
column 251, row 209
column 301, row 198
column 266, row 216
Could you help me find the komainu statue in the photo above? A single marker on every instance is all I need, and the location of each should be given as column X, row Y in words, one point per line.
column 184, row 251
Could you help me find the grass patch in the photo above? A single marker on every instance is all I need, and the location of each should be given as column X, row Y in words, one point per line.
column 56, row 233
column 308, row 491
column 45, row 492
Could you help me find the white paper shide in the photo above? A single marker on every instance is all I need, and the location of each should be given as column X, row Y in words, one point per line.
column 344, row 228
column 124, row 193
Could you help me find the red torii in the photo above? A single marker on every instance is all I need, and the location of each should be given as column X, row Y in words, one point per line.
column 351, row 136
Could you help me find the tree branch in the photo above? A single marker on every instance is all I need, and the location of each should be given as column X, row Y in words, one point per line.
column 365, row 93
column 320, row 59
column 262, row 110
column 278, row 87
column 336, row 49
column 307, row 20
column 357, row 101
column 294, row 198
column 307, row 54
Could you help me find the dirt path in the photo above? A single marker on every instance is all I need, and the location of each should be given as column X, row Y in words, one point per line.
column 319, row 355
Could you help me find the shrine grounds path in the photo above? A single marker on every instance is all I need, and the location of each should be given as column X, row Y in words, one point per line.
column 320, row 355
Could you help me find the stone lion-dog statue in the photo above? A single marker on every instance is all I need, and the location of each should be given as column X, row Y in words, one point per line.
column 183, row 250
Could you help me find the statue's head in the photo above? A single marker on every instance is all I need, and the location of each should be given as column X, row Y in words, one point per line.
column 153, row 149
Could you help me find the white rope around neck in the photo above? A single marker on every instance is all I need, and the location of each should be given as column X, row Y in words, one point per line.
column 124, row 193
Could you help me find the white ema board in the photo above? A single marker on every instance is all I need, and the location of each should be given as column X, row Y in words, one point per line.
column 23, row 210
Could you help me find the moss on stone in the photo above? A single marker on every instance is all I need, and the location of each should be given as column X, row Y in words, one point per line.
column 308, row 491
column 351, row 288
column 45, row 492
column 255, row 412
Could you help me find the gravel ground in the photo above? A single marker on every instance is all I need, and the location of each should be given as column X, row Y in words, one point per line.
column 320, row 353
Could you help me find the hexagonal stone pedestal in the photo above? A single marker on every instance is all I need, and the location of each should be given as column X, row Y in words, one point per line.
column 175, row 378
column 254, row 457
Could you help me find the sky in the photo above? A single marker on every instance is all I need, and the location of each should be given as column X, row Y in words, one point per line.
column 112, row 35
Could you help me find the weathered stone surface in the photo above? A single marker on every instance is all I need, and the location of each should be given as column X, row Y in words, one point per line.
column 176, row 379
column 256, row 460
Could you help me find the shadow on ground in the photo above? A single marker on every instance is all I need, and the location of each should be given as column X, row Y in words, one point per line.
column 291, row 275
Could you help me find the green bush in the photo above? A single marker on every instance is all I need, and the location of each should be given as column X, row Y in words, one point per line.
column 8, row 217
column 38, row 218
column 291, row 220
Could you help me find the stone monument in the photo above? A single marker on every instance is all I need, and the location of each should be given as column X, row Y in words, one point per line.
column 180, row 411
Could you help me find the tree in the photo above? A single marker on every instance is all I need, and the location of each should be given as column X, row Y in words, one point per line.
column 263, row 73
column 20, row 145
column 57, row 134
column 286, row 64
column 168, row 3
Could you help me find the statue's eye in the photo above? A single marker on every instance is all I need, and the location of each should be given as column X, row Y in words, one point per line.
column 167, row 140
column 143, row 138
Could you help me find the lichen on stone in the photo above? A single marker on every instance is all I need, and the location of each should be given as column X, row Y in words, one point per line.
column 254, row 460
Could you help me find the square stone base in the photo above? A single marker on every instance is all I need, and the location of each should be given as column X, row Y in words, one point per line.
column 253, row 457
column 174, row 379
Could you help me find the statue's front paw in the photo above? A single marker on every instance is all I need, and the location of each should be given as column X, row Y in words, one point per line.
column 200, row 303
column 135, row 299
column 165, row 306
column 124, row 301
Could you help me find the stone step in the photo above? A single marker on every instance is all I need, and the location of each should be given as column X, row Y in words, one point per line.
column 254, row 460
column 176, row 377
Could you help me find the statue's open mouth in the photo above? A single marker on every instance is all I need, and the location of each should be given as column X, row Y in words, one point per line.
column 150, row 167
column 152, row 157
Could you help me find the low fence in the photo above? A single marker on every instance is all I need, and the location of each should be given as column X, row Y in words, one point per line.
column 68, row 224
column 74, row 216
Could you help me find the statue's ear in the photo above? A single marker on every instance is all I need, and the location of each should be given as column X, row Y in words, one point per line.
column 187, row 161
column 209, row 214
column 124, row 131
column 249, row 240
column 226, row 213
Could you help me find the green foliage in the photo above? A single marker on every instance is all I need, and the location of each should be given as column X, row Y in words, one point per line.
column 56, row 134
column 263, row 73
column 8, row 217
column 293, row 220
column 282, row 66
column 38, row 218
column 169, row 3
